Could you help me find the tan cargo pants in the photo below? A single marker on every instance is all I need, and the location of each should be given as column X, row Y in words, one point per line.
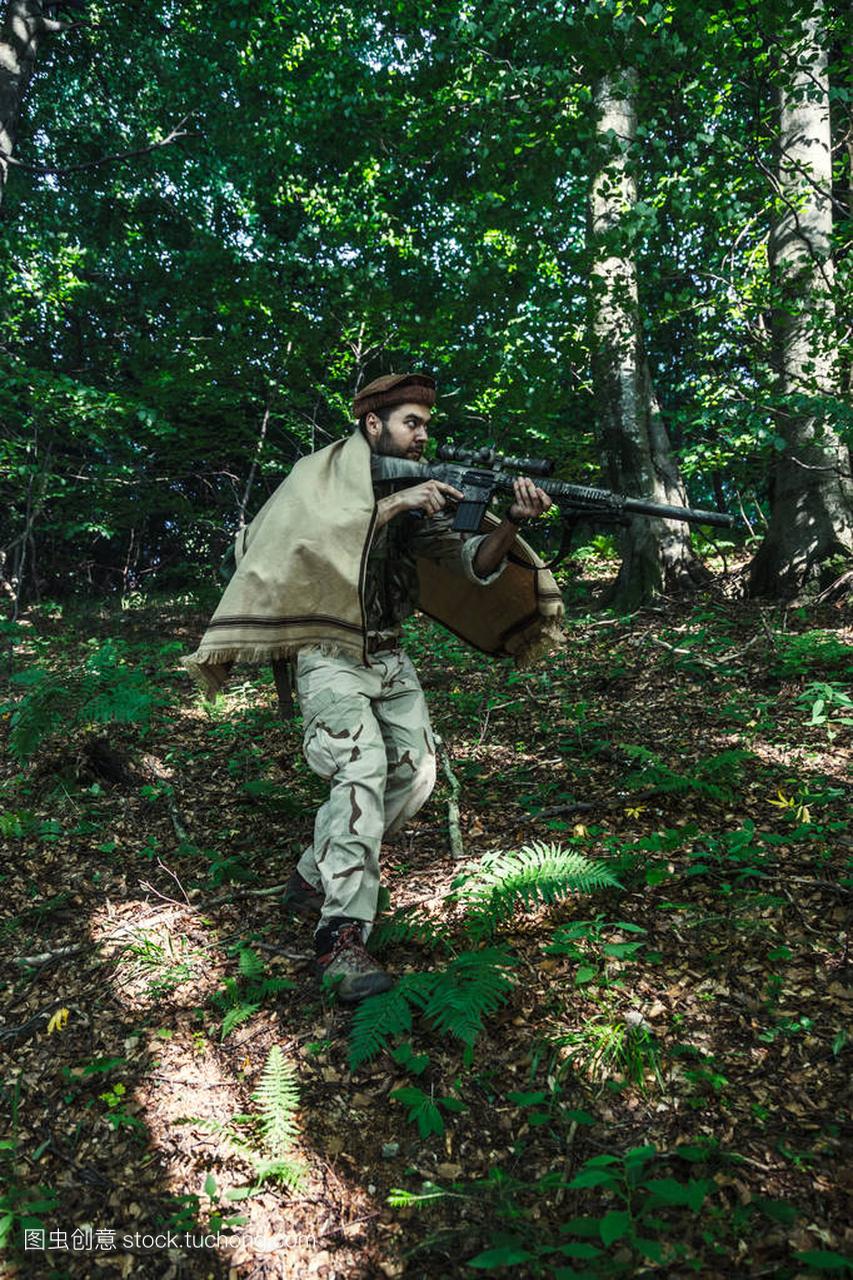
column 367, row 731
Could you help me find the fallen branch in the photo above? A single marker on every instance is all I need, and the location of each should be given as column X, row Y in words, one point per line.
column 58, row 954
column 454, row 830
column 561, row 810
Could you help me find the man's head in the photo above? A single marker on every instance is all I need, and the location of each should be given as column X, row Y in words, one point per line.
column 394, row 411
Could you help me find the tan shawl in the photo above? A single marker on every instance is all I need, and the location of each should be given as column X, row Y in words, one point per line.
column 300, row 577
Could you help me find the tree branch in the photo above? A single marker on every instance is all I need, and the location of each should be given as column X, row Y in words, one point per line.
column 48, row 170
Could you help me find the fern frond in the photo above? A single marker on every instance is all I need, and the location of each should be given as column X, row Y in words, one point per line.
column 277, row 1097
column 250, row 963
column 399, row 1198
column 236, row 1015
column 379, row 1018
column 495, row 888
column 290, row 1172
column 472, row 986
column 410, row 924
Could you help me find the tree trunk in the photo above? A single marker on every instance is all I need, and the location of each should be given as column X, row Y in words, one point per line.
column 810, row 535
column 24, row 28
column 656, row 554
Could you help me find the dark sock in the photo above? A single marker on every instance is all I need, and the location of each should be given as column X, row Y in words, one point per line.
column 326, row 935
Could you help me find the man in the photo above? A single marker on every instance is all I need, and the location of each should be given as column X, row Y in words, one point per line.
column 367, row 728
column 326, row 573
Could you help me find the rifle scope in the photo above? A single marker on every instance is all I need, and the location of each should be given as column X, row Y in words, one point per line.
column 487, row 457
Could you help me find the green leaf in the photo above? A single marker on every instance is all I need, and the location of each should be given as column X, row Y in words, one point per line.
column 650, row 1249
column 583, row 975
column 824, row 1260
column 504, row 1256
column 671, row 1191
column 579, row 1117
column 455, row 1105
column 593, row 1178
column 210, row 1186
column 580, row 1251
column 614, row 1225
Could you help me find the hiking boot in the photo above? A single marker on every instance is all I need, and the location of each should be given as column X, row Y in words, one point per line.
column 345, row 966
column 301, row 897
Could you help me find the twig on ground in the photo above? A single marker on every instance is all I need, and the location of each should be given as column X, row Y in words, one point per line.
column 561, row 810
column 58, row 954
column 245, row 893
column 175, row 814
column 170, row 872
column 454, row 830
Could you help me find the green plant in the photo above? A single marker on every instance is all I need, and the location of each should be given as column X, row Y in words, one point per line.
column 21, row 1207
column 712, row 778
column 423, row 1108
column 240, row 997
column 454, row 1000
column 610, row 1046
column 104, row 689
column 831, row 707
column 811, row 652
column 494, row 888
column 583, row 941
column 633, row 1219
column 118, row 1117
column 166, row 965
column 265, row 1137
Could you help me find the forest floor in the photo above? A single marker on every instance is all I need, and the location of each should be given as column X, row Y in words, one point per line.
column 661, row 1082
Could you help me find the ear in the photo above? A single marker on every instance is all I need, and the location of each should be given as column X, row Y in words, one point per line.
column 373, row 426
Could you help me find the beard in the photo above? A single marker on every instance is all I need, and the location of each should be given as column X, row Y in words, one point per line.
column 388, row 447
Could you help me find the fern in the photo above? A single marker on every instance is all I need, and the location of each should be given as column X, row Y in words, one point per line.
column 410, row 924
column 500, row 883
column 277, row 1097
column 243, row 996
column 104, row 690
column 250, row 964
column 472, row 986
column 380, row 1018
column 455, row 1000
column 235, row 1016
column 271, row 1131
column 710, row 778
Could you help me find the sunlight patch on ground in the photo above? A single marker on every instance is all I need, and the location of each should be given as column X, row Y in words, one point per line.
column 160, row 949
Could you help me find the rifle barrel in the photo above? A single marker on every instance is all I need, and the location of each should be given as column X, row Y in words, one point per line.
column 577, row 498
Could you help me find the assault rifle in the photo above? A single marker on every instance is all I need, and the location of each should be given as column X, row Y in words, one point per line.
column 481, row 473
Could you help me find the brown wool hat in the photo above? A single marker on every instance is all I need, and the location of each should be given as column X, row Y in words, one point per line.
column 394, row 388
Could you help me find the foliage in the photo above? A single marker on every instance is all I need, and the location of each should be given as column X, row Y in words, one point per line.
column 629, row 1214
column 610, row 1045
column 499, row 884
column 266, row 1137
column 712, row 777
column 105, row 690
column 454, row 1000
column 240, row 997
column 811, row 653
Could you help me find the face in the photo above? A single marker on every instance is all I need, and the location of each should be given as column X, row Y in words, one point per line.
column 404, row 435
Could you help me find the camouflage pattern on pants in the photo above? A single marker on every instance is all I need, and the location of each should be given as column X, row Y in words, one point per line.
column 367, row 731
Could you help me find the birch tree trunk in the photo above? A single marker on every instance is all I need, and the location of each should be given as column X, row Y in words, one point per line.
column 810, row 535
column 23, row 31
column 656, row 554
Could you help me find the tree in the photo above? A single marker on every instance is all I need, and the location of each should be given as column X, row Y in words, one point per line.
column 656, row 555
column 24, row 28
column 811, row 526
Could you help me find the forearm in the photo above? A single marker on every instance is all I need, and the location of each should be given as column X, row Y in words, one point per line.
column 389, row 507
column 494, row 547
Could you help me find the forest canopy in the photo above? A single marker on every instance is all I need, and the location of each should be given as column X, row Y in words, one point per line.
column 219, row 221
